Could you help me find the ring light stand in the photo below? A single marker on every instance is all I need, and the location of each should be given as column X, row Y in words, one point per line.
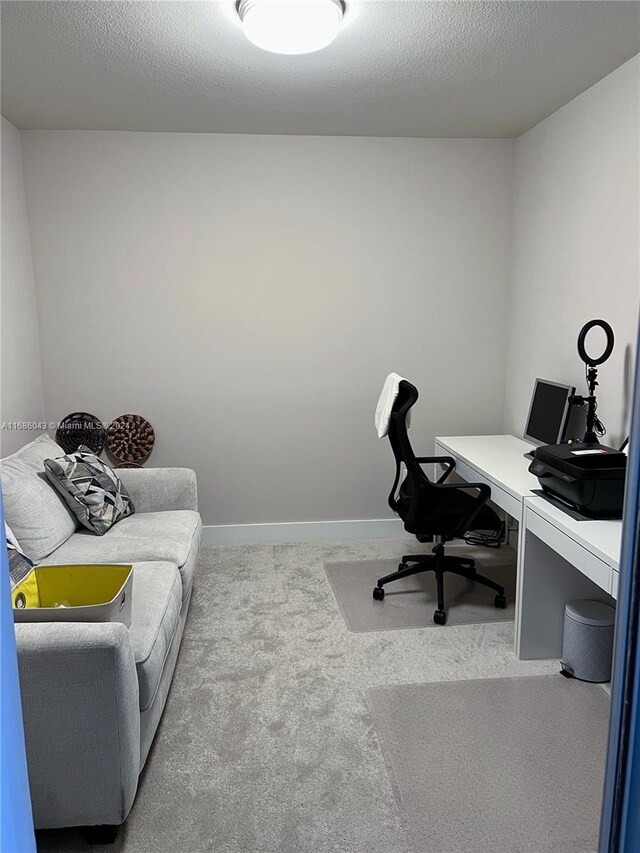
column 590, row 436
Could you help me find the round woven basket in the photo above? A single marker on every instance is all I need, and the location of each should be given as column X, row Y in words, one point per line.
column 81, row 428
column 130, row 440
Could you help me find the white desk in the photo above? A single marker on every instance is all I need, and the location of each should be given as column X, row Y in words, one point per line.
column 559, row 557
column 498, row 461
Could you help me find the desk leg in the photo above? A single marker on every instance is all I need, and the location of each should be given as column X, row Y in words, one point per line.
column 519, row 562
column 546, row 581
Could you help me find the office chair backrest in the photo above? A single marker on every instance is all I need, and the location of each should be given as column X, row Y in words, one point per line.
column 418, row 488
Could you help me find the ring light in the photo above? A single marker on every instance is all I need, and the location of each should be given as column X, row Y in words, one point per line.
column 592, row 324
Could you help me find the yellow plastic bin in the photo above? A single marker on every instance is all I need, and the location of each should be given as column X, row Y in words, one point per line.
column 93, row 593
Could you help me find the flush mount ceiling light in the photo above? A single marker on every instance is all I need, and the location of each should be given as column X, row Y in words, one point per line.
column 291, row 26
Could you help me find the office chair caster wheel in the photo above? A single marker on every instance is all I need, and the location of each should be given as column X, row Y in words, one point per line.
column 440, row 617
column 378, row 593
column 500, row 601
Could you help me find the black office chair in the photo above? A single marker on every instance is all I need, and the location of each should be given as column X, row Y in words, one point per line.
column 441, row 510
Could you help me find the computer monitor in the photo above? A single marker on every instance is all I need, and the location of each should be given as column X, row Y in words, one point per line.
column 548, row 412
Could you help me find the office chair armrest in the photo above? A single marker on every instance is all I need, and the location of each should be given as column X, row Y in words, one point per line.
column 448, row 461
column 485, row 491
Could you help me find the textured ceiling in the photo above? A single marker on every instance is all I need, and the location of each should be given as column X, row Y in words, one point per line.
column 397, row 68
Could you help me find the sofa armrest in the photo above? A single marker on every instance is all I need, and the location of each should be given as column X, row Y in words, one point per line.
column 161, row 489
column 81, row 715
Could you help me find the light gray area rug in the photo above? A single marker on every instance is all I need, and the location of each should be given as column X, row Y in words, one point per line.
column 267, row 744
column 410, row 602
column 497, row 766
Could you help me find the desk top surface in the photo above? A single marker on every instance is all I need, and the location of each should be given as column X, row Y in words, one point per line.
column 499, row 457
column 603, row 538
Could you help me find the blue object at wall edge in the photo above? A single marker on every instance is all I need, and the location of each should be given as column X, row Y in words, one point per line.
column 620, row 820
column 16, row 821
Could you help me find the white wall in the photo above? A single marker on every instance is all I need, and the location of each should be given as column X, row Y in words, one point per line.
column 575, row 246
column 21, row 400
column 248, row 295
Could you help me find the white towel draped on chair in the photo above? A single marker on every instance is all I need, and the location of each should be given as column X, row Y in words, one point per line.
column 385, row 404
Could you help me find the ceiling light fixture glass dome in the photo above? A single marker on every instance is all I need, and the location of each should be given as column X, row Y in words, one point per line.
column 291, row 26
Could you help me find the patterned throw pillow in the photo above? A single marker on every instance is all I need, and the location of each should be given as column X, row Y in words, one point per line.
column 19, row 564
column 92, row 490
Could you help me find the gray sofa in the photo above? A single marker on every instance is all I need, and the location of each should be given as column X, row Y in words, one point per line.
column 93, row 694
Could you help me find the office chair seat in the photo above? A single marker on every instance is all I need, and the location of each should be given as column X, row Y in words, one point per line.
column 439, row 510
column 447, row 516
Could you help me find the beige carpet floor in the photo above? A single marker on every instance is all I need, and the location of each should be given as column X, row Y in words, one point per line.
column 267, row 743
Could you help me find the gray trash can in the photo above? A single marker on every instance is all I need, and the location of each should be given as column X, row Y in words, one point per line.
column 587, row 646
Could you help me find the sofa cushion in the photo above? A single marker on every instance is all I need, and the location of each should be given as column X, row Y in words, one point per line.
column 143, row 536
column 35, row 512
column 155, row 613
column 92, row 490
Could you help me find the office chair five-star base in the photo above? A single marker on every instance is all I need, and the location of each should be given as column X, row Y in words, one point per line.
column 440, row 563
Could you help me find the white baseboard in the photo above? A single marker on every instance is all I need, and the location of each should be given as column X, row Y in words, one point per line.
column 302, row 531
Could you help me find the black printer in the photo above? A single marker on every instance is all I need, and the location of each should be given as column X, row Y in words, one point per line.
column 588, row 477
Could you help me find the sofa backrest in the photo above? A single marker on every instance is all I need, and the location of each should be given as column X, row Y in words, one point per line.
column 35, row 512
